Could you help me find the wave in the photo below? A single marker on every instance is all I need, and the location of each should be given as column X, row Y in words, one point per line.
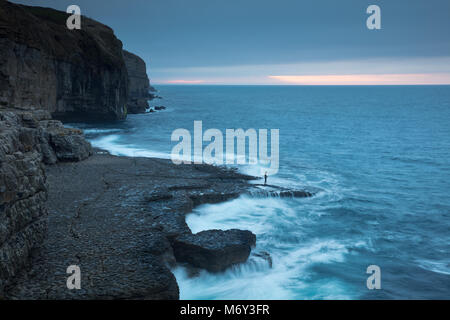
column 100, row 131
column 324, row 184
column 281, row 230
column 417, row 160
column 288, row 278
column 442, row 267
column 111, row 144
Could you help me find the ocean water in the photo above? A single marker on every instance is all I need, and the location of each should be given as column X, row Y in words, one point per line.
column 381, row 158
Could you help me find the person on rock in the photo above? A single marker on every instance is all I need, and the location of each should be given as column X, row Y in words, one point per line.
column 265, row 178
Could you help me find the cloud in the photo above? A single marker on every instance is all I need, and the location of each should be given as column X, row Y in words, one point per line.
column 184, row 81
column 367, row 79
column 407, row 70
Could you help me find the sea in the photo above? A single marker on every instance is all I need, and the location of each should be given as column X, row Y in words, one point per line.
column 378, row 158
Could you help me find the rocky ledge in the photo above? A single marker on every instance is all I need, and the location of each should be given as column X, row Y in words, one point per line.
column 122, row 221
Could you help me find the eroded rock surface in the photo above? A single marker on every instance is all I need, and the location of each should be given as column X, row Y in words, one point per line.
column 214, row 250
column 272, row 191
column 68, row 144
column 23, row 191
column 117, row 218
column 26, row 144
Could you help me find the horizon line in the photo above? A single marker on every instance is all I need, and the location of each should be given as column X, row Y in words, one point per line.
column 300, row 85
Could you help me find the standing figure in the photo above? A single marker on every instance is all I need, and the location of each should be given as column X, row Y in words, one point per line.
column 265, row 178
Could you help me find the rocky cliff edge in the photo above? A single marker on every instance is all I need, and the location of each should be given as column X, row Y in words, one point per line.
column 73, row 74
column 28, row 140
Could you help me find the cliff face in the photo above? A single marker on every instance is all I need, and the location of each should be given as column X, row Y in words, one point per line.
column 28, row 140
column 139, row 84
column 74, row 74
column 23, row 192
column 49, row 71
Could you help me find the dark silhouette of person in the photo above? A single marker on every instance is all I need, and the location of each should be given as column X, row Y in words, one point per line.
column 265, row 178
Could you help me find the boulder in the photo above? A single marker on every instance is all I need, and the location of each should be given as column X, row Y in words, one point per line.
column 214, row 250
column 70, row 147
column 59, row 143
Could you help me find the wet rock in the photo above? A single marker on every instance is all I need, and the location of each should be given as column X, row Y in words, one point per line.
column 278, row 192
column 157, row 195
column 158, row 108
column 212, row 197
column 191, row 186
column 191, row 272
column 265, row 256
column 295, row 194
column 214, row 250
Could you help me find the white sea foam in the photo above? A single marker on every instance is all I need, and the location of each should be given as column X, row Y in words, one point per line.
column 100, row 131
column 112, row 145
column 289, row 277
column 278, row 226
column 442, row 267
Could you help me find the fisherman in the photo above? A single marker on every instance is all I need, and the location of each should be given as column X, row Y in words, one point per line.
column 265, row 178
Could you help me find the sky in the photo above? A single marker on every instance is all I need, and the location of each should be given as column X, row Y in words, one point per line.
column 320, row 42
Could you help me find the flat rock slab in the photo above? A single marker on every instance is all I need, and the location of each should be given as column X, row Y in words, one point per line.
column 214, row 250
column 272, row 191
column 115, row 218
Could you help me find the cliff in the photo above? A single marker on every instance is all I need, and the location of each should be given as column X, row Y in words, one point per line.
column 47, row 72
column 23, row 192
column 28, row 140
column 139, row 84
column 73, row 74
